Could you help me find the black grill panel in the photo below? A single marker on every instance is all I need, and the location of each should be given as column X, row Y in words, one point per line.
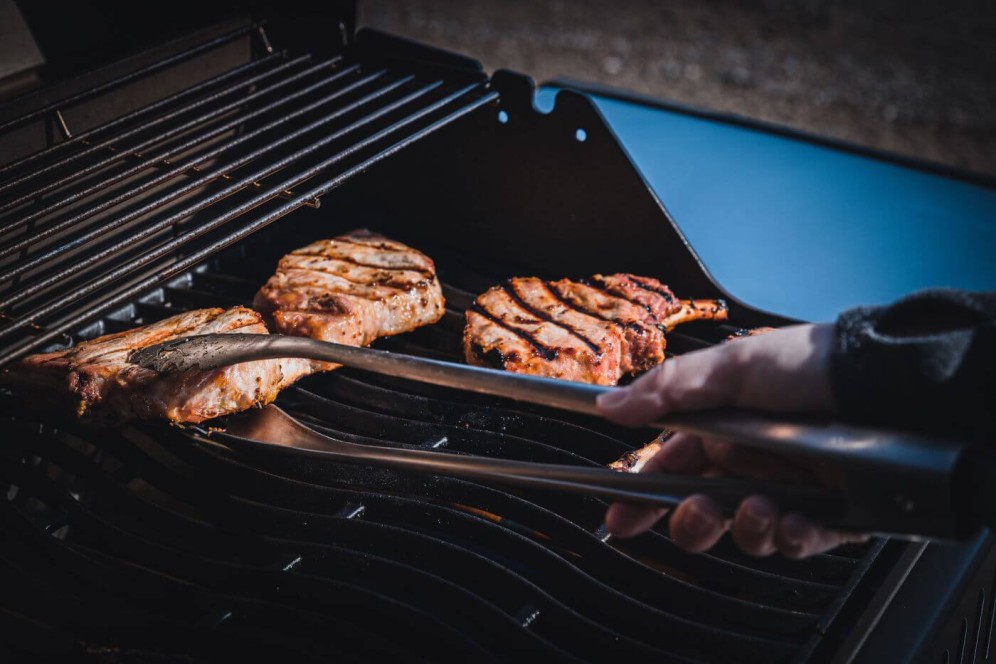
column 151, row 542
column 488, row 571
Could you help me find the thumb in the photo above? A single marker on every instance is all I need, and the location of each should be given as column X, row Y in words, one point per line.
column 702, row 379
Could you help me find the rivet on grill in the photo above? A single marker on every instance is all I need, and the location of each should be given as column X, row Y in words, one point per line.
column 224, row 618
column 527, row 615
column 602, row 533
column 351, row 511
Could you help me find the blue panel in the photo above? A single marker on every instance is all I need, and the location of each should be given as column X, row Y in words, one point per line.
column 801, row 229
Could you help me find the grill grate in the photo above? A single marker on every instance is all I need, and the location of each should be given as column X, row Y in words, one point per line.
column 229, row 543
column 143, row 543
column 149, row 195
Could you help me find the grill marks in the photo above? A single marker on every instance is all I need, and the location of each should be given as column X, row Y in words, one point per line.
column 96, row 379
column 535, row 296
column 643, row 339
column 595, row 330
column 352, row 289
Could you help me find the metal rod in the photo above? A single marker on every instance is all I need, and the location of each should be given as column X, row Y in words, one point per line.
column 153, row 228
column 108, row 144
column 162, row 224
column 56, row 183
column 115, row 299
column 124, row 196
column 127, row 78
column 139, row 113
column 177, row 149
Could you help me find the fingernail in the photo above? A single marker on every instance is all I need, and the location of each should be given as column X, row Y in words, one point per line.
column 795, row 533
column 757, row 519
column 700, row 523
column 613, row 398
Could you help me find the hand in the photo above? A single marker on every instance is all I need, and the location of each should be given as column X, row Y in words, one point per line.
column 784, row 370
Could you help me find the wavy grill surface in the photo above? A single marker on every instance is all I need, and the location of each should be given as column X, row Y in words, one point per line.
column 141, row 542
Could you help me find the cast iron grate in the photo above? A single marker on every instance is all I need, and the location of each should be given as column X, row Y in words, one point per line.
column 145, row 527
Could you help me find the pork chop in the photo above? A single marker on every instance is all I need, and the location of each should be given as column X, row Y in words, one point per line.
column 95, row 380
column 351, row 290
column 594, row 330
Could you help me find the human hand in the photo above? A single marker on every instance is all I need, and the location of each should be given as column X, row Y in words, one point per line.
column 784, row 370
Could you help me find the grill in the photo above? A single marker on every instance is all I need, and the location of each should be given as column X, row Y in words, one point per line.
column 146, row 543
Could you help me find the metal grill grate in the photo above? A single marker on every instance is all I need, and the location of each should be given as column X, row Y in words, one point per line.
column 241, row 546
column 142, row 543
column 88, row 223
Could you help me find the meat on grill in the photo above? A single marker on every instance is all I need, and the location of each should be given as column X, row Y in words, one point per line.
column 595, row 330
column 351, row 290
column 634, row 460
column 95, row 378
column 749, row 332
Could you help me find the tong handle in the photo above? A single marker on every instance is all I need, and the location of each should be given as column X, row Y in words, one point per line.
column 272, row 428
column 895, row 481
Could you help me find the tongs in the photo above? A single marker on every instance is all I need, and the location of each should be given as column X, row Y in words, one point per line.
column 889, row 482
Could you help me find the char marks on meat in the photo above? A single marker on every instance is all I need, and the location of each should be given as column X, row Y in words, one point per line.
column 95, row 379
column 595, row 330
column 351, row 290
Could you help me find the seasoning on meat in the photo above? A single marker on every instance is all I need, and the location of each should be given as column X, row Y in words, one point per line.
column 351, row 290
column 634, row 460
column 594, row 330
column 95, row 379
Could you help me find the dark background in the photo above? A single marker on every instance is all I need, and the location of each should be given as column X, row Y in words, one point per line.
column 916, row 78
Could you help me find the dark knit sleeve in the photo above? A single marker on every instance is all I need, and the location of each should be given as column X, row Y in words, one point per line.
column 928, row 361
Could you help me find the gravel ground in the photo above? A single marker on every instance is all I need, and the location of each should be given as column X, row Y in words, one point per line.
column 915, row 77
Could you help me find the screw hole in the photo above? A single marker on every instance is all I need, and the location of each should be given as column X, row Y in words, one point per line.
column 581, row 135
column 502, row 117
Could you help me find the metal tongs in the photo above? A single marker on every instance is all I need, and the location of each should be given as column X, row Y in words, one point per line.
column 891, row 482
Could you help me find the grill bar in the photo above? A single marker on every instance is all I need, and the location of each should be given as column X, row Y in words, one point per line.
column 57, row 183
column 193, row 185
column 162, row 159
column 138, row 74
column 578, row 595
column 85, row 136
column 55, row 330
column 224, row 193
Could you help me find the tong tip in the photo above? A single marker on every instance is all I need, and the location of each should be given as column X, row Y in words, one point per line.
column 170, row 357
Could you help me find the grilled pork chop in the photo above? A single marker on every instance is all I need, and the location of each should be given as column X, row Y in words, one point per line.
column 595, row 330
column 95, row 379
column 351, row 290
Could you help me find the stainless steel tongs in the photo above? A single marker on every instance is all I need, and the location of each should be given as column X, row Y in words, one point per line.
column 891, row 482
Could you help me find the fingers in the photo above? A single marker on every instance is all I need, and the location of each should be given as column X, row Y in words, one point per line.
column 754, row 526
column 784, row 370
column 759, row 530
column 630, row 519
column 678, row 454
column 797, row 537
column 703, row 379
column 697, row 524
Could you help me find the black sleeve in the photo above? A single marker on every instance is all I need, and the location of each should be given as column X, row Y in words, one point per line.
column 927, row 361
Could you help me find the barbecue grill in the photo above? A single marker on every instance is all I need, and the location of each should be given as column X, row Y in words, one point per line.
column 174, row 179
